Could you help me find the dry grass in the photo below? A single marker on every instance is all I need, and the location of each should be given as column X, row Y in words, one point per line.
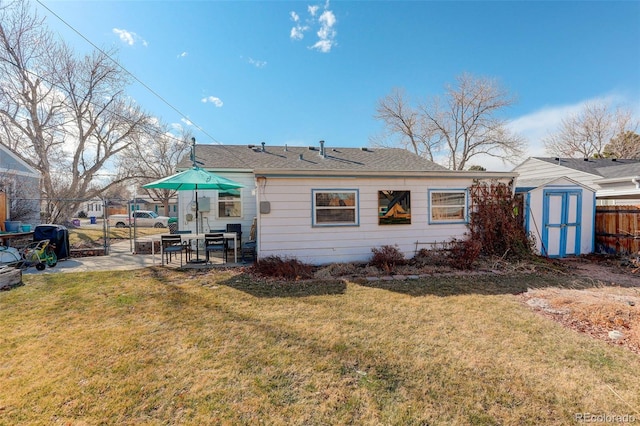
column 166, row 347
column 89, row 237
column 596, row 311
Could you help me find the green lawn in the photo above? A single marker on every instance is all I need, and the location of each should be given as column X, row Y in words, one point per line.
column 158, row 346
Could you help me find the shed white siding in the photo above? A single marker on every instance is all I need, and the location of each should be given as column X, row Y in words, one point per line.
column 535, row 212
column 533, row 168
column 287, row 229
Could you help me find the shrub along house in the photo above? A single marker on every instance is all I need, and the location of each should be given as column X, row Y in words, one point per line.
column 323, row 205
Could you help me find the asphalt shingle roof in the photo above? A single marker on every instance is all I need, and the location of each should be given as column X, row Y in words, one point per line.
column 605, row 167
column 249, row 157
column 632, row 169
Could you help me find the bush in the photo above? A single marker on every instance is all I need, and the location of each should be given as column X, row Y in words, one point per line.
column 82, row 215
column 387, row 258
column 334, row 270
column 288, row 269
column 495, row 222
column 437, row 256
column 463, row 253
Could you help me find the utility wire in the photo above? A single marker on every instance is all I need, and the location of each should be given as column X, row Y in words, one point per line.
column 156, row 94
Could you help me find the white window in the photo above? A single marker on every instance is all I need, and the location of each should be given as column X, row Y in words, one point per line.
column 448, row 205
column 229, row 203
column 335, row 207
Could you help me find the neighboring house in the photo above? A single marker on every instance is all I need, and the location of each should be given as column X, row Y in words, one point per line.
column 21, row 184
column 92, row 208
column 140, row 204
column 324, row 205
column 144, row 204
column 560, row 214
column 615, row 180
column 158, row 207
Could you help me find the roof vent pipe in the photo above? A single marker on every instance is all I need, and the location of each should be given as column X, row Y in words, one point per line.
column 263, row 144
column 322, row 148
column 300, row 157
column 285, row 148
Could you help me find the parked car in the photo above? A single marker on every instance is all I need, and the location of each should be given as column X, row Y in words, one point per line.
column 143, row 218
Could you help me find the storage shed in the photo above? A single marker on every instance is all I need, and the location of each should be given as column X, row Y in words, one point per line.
column 560, row 214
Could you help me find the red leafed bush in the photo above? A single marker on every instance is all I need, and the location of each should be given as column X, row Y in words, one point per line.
column 288, row 269
column 463, row 253
column 496, row 221
column 387, row 258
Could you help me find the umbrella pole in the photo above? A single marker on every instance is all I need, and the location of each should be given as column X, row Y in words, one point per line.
column 197, row 259
column 196, row 211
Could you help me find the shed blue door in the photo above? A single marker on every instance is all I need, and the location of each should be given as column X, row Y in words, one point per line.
column 562, row 214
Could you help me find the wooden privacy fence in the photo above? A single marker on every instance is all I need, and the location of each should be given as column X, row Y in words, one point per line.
column 618, row 229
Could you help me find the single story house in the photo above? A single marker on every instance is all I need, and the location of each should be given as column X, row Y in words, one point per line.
column 92, row 208
column 616, row 181
column 20, row 184
column 158, row 207
column 323, row 204
column 560, row 214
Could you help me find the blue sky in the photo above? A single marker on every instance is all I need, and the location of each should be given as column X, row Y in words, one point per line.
column 298, row 72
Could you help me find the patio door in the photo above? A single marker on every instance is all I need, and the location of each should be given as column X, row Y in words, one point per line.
column 562, row 215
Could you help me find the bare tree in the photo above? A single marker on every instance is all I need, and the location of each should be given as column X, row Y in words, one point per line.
column 624, row 145
column 460, row 126
column 67, row 117
column 404, row 126
column 586, row 134
column 156, row 157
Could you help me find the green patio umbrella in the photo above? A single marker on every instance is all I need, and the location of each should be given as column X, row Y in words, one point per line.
column 194, row 179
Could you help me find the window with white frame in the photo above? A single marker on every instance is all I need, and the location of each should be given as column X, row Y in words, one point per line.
column 448, row 205
column 335, row 207
column 229, row 203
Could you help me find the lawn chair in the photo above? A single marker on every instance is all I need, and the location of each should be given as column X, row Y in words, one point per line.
column 215, row 242
column 172, row 245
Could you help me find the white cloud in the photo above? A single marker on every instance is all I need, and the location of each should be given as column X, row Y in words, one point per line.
column 325, row 24
column 297, row 33
column 213, row 100
column 183, row 55
column 537, row 125
column 257, row 63
column 129, row 37
column 186, row 121
column 323, row 46
column 326, row 33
